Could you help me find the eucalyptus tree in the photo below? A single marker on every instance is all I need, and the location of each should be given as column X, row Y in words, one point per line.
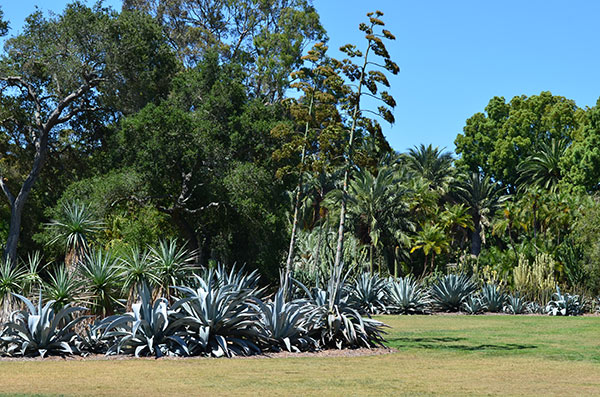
column 366, row 78
column 267, row 38
column 484, row 198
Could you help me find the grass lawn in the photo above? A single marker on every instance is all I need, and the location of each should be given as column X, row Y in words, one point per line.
column 437, row 355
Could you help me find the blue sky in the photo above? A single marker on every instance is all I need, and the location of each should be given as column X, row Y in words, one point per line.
column 456, row 55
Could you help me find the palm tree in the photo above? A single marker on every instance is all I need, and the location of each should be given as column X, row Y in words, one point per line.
column 543, row 167
column 432, row 164
column 456, row 220
column 372, row 201
column 432, row 240
column 484, row 198
column 74, row 231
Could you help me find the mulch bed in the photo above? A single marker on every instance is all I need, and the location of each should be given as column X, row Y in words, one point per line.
column 321, row 353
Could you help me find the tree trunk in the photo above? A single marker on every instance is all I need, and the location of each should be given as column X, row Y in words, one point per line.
column 340, row 244
column 371, row 258
column 476, row 240
column 17, row 204
column 290, row 258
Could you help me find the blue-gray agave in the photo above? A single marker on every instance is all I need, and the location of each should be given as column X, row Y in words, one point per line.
column 41, row 330
column 407, row 296
column 367, row 294
column 150, row 329
column 335, row 323
column 286, row 323
column 493, row 298
column 564, row 305
column 222, row 322
column 450, row 292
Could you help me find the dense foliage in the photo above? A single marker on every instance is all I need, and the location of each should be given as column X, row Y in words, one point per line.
column 141, row 148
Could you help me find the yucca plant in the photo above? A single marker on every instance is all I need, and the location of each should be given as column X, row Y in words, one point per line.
column 11, row 281
column 41, row 330
column 564, row 304
column 285, row 323
column 474, row 305
column 515, row 304
column 407, row 296
column 99, row 274
column 150, row 329
column 74, row 230
column 493, row 298
column 367, row 294
column 335, row 323
column 172, row 263
column 64, row 287
column 32, row 267
column 223, row 320
column 449, row 292
column 135, row 269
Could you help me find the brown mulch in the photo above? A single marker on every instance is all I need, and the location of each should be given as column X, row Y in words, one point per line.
column 321, row 353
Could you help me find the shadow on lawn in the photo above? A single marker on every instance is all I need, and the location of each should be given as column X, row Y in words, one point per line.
column 448, row 343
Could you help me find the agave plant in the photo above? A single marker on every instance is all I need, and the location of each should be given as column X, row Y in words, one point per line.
column 564, row 305
column 407, row 296
column 535, row 308
column 367, row 293
column 223, row 320
column 41, row 330
column 493, row 298
column 172, row 263
column 239, row 279
column 515, row 304
column 474, row 305
column 335, row 323
column 449, row 292
column 150, row 329
column 99, row 274
column 93, row 340
column 286, row 323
